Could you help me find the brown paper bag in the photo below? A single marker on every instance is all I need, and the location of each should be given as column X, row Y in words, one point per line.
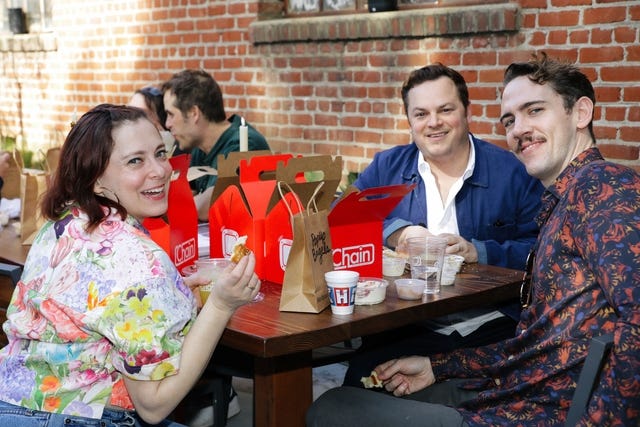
column 303, row 288
column 51, row 160
column 33, row 184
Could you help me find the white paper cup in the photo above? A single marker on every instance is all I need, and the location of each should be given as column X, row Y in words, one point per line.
column 342, row 285
column 452, row 264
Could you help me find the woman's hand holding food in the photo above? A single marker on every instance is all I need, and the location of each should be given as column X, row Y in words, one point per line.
column 406, row 375
column 237, row 285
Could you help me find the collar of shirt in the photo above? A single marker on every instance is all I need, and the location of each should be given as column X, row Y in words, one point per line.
column 566, row 178
column 441, row 217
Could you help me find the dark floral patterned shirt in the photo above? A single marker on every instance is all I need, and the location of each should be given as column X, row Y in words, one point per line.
column 586, row 282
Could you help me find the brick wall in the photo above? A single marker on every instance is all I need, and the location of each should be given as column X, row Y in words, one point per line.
column 315, row 85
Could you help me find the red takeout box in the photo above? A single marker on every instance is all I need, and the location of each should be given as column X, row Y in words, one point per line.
column 246, row 201
column 356, row 227
column 178, row 235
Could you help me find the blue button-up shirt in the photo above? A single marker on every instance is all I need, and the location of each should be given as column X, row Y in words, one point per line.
column 495, row 207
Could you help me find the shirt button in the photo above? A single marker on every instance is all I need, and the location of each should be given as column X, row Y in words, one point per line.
column 497, row 381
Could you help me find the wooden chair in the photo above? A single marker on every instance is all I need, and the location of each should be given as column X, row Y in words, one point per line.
column 9, row 276
column 589, row 376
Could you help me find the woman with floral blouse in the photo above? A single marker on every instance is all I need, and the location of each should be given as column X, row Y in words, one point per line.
column 102, row 329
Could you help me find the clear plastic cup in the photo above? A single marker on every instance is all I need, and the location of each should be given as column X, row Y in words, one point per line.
column 426, row 258
column 210, row 268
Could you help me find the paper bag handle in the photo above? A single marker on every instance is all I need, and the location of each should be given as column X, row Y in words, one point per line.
column 295, row 197
column 312, row 200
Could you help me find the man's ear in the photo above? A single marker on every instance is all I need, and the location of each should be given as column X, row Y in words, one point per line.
column 195, row 113
column 584, row 108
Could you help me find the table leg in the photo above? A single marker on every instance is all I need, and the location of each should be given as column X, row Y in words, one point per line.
column 282, row 390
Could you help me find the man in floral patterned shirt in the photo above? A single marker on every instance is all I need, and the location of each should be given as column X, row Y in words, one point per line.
column 585, row 282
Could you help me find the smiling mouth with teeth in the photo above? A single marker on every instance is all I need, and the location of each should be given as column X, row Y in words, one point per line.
column 154, row 192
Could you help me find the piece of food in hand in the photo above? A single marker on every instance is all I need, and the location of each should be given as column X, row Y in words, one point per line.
column 239, row 249
column 372, row 381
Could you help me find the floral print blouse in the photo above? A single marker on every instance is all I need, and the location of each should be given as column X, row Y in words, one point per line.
column 586, row 282
column 89, row 309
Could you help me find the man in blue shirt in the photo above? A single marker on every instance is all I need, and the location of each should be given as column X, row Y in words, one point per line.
column 476, row 194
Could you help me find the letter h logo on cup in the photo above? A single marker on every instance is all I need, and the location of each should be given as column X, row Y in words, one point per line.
column 342, row 286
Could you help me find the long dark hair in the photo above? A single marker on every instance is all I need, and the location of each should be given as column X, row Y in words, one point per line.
column 84, row 157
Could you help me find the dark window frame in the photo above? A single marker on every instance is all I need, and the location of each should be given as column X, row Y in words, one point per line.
column 362, row 6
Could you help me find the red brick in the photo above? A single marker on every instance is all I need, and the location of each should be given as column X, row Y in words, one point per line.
column 615, row 151
column 491, row 75
column 375, row 122
column 605, row 132
column 482, row 93
column 559, row 19
column 352, row 151
column 615, row 114
column 631, row 134
column 365, row 108
column 538, row 38
column 625, row 34
column 479, row 58
column 353, row 121
column 599, row 36
column 381, row 92
column 604, row 15
column 325, row 120
column 608, row 55
column 557, row 37
column 450, row 59
column 633, row 53
column 367, row 136
column 481, row 127
column 340, row 135
column 565, row 3
column 622, row 73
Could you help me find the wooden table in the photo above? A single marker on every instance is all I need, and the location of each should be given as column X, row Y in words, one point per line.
column 282, row 342
column 12, row 251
